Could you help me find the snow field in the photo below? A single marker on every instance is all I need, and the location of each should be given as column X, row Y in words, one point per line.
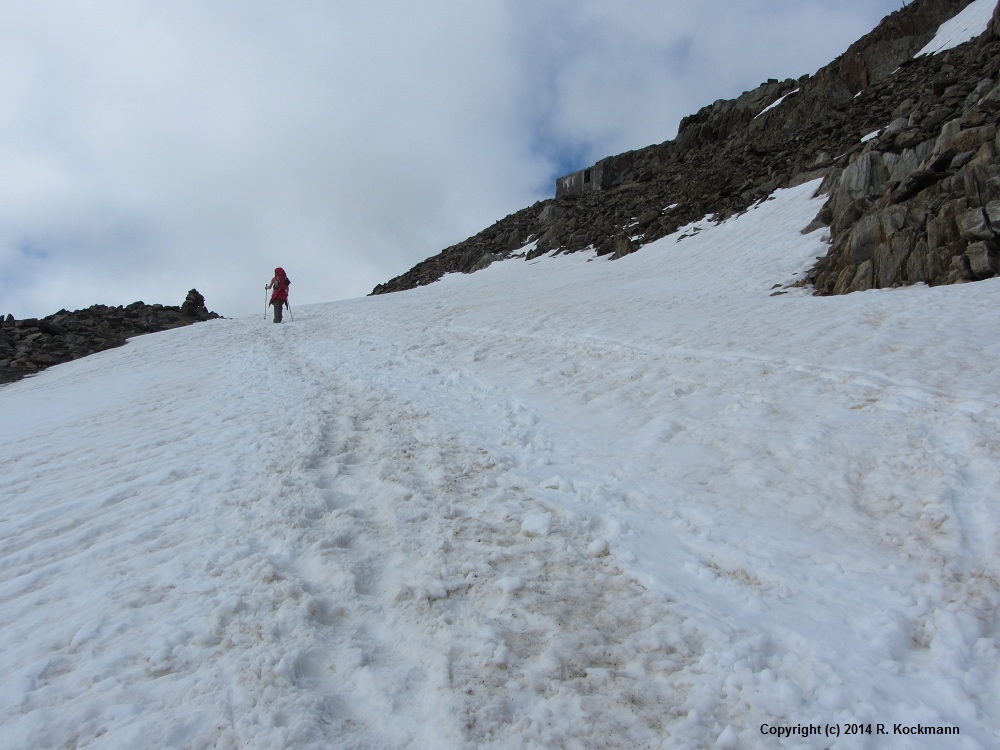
column 972, row 21
column 550, row 504
column 841, row 464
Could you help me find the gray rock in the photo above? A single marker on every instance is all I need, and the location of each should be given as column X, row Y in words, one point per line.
column 982, row 258
column 973, row 225
column 622, row 246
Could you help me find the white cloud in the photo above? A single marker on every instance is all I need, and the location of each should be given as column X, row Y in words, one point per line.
column 150, row 147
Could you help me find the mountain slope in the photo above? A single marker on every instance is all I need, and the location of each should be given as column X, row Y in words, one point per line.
column 732, row 154
column 669, row 511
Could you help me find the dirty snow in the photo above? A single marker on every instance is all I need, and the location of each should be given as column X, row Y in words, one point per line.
column 967, row 25
column 564, row 503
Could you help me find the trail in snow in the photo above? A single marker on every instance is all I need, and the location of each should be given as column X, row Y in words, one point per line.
column 645, row 505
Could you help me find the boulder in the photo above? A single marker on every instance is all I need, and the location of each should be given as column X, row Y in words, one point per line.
column 622, row 246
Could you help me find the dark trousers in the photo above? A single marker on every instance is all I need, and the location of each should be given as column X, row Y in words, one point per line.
column 277, row 310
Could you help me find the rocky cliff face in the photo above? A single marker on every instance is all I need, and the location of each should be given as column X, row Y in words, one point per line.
column 908, row 147
column 32, row 344
column 920, row 201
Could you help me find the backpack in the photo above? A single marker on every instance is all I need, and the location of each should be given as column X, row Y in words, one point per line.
column 281, row 284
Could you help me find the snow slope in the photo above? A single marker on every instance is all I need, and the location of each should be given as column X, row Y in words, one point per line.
column 570, row 503
column 971, row 22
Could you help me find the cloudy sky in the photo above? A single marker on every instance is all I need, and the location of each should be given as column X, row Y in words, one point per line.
column 148, row 147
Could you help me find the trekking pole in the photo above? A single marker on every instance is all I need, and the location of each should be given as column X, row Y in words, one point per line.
column 290, row 310
column 265, row 303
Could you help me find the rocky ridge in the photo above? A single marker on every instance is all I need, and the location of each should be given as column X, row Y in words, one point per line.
column 908, row 148
column 32, row 344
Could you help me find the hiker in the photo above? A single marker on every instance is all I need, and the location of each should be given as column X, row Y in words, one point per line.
column 279, row 297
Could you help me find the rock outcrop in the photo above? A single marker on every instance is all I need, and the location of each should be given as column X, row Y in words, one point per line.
column 908, row 148
column 920, row 201
column 32, row 344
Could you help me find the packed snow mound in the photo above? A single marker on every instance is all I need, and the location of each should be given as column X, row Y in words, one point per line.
column 971, row 22
column 544, row 505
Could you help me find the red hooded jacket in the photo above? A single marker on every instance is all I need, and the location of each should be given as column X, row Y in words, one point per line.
column 280, row 283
